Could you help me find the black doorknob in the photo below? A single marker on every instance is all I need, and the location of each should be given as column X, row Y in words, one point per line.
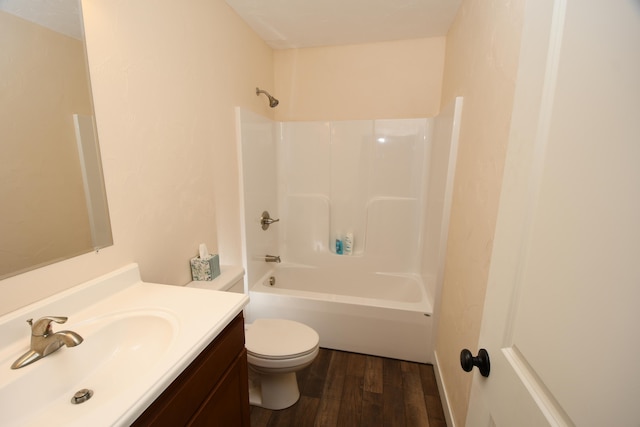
column 481, row 361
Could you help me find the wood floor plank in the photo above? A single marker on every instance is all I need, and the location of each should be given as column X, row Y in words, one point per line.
column 373, row 375
column 352, row 395
column 259, row 417
column 351, row 407
column 393, row 398
column 335, row 376
column 391, row 373
column 327, row 415
column 372, row 409
column 414, row 403
column 437, row 423
column 315, row 379
column 393, row 406
column 428, row 377
column 305, row 411
column 434, row 409
column 356, row 364
column 302, row 414
column 281, row 418
column 331, row 399
column 432, row 396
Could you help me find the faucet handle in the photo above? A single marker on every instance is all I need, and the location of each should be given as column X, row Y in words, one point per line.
column 266, row 220
column 42, row 326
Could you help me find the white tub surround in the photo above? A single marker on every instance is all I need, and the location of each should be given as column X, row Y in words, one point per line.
column 384, row 183
column 138, row 337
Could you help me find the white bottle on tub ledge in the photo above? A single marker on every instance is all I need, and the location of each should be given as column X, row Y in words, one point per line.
column 348, row 243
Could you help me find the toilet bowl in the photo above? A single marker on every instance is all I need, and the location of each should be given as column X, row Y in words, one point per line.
column 276, row 349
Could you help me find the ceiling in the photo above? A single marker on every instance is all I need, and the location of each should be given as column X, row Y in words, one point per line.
column 286, row 24
column 62, row 16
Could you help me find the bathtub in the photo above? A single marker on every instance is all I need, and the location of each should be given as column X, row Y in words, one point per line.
column 388, row 315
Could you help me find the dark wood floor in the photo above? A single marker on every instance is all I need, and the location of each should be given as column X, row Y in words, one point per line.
column 350, row 390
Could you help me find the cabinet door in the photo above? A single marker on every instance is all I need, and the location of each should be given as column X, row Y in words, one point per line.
column 228, row 404
column 195, row 387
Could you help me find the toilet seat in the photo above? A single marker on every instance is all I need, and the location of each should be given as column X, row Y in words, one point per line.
column 273, row 340
column 284, row 357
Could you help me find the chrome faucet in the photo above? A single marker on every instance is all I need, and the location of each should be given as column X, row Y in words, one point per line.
column 44, row 341
column 272, row 258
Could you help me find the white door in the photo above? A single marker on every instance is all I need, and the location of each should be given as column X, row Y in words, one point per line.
column 562, row 314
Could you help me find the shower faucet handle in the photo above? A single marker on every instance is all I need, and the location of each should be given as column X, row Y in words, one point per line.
column 266, row 220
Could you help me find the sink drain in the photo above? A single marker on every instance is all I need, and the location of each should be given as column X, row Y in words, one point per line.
column 81, row 396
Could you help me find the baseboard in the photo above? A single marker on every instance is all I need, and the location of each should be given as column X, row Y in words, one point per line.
column 443, row 392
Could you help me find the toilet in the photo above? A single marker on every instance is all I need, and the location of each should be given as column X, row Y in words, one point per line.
column 276, row 349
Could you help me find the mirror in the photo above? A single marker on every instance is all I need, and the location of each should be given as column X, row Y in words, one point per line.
column 53, row 204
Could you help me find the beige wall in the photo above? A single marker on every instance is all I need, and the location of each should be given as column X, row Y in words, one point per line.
column 400, row 79
column 165, row 80
column 481, row 65
column 42, row 204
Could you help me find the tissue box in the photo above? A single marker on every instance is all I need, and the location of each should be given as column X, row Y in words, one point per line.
column 207, row 268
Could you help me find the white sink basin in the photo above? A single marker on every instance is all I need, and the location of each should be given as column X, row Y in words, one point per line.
column 136, row 341
column 113, row 350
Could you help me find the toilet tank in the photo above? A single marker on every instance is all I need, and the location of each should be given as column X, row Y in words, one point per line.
column 231, row 279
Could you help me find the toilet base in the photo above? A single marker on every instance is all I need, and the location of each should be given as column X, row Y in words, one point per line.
column 273, row 391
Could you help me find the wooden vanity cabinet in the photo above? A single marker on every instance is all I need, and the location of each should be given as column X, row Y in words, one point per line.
column 212, row 391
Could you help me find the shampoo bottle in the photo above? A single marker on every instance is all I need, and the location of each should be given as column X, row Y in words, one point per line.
column 348, row 243
column 339, row 247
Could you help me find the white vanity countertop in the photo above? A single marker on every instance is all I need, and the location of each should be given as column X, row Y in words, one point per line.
column 138, row 337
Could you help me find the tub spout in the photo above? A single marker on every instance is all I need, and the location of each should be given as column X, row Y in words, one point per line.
column 272, row 258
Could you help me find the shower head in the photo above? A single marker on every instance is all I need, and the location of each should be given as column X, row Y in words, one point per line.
column 272, row 101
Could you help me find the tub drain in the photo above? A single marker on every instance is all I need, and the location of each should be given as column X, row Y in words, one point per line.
column 81, row 396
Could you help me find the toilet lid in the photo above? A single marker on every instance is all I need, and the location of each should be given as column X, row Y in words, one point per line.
column 280, row 339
